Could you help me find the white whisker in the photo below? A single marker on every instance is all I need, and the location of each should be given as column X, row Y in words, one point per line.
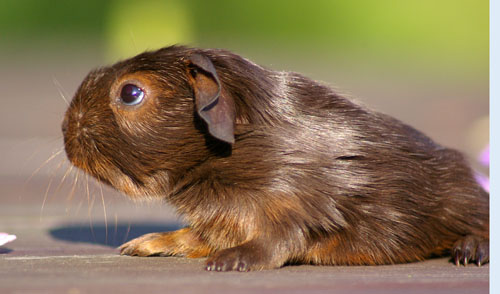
column 90, row 206
column 116, row 228
column 127, row 233
column 68, row 171
column 73, row 187
column 61, row 90
column 48, row 188
column 104, row 209
column 43, row 164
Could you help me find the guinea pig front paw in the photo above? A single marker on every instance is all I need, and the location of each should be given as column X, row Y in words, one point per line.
column 471, row 249
column 147, row 245
column 177, row 243
column 242, row 258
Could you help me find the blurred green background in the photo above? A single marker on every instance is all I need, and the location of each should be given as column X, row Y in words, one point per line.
column 453, row 33
column 425, row 62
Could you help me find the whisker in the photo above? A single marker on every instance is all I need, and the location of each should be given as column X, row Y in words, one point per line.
column 104, row 209
column 132, row 37
column 73, row 187
column 33, row 153
column 90, row 206
column 128, row 231
column 43, row 164
column 73, row 192
column 48, row 188
column 68, row 171
column 116, row 229
column 61, row 90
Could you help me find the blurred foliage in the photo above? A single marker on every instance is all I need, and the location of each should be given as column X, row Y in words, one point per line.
column 135, row 26
column 28, row 19
column 452, row 31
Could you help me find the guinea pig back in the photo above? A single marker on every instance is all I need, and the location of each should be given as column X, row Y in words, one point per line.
column 270, row 167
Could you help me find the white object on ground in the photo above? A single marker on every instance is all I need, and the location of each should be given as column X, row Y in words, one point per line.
column 6, row 238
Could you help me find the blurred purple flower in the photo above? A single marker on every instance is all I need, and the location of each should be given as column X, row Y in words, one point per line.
column 484, row 159
column 484, row 181
column 6, row 238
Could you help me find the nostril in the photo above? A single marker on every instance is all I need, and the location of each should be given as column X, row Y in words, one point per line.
column 64, row 126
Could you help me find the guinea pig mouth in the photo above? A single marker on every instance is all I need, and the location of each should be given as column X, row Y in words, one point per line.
column 102, row 169
column 86, row 150
column 82, row 153
column 79, row 157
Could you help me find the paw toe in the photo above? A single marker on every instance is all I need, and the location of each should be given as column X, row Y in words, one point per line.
column 229, row 260
column 471, row 249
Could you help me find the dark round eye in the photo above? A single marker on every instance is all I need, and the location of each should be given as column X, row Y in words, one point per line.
column 131, row 94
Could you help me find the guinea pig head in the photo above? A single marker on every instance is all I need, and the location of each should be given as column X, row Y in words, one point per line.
column 142, row 123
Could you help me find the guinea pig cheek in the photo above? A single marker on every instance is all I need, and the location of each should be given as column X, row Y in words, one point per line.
column 135, row 118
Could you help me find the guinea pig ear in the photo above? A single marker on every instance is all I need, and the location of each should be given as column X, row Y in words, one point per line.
column 215, row 109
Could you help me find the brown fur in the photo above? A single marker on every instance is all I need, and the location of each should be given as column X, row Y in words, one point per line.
column 271, row 167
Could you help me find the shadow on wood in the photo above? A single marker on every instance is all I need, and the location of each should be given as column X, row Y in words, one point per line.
column 111, row 235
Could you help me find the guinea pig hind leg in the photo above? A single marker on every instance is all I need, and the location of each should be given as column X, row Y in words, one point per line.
column 177, row 243
column 471, row 249
column 252, row 255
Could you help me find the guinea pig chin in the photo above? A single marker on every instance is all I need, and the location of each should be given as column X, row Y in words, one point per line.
column 101, row 169
column 152, row 187
column 83, row 152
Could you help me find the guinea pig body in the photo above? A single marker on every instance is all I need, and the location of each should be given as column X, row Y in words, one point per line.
column 269, row 167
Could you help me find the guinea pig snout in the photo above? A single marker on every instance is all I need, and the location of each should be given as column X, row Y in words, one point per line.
column 75, row 125
column 64, row 126
column 80, row 134
column 79, row 137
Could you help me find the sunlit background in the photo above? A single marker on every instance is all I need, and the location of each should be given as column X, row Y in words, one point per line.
column 424, row 62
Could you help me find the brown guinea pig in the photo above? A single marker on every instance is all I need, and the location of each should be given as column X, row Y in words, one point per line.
column 270, row 167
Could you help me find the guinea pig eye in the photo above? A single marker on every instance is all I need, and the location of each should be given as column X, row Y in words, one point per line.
column 131, row 94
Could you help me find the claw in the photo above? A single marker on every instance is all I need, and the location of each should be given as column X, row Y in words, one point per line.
column 471, row 249
column 457, row 258
column 210, row 266
column 480, row 260
column 242, row 267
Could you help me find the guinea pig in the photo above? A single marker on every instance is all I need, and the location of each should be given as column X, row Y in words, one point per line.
column 270, row 168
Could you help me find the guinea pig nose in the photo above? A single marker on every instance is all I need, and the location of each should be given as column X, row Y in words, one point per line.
column 64, row 126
